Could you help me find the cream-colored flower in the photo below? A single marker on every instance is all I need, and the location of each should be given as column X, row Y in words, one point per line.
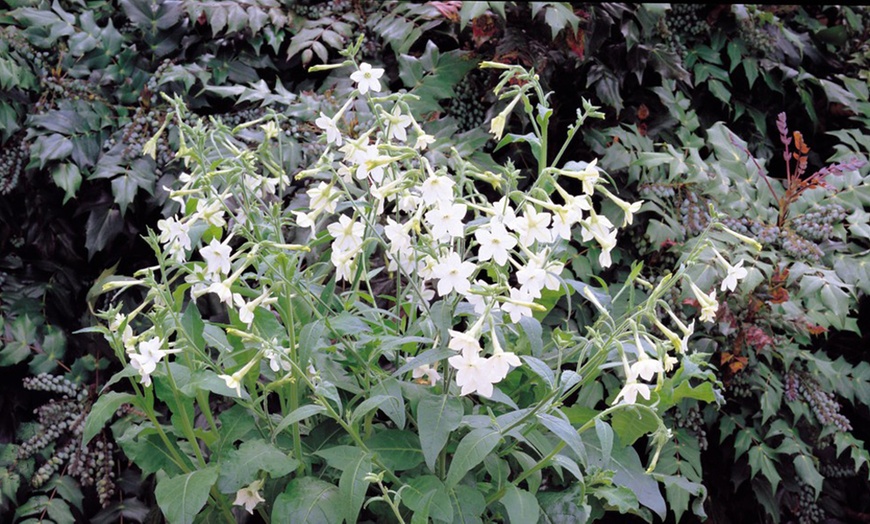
column 249, row 496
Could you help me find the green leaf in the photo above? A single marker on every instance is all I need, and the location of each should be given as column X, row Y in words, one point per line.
column 102, row 411
column 394, row 407
column 760, row 460
column 807, row 472
column 308, row 500
column 352, row 486
column 339, row 457
column 437, row 417
column 399, row 450
column 67, row 177
column 297, row 415
column 563, row 507
column 50, row 147
column 427, row 496
column 472, row 449
column 181, row 498
column 521, row 505
column 103, row 225
column 566, row 433
column 618, row 497
column 631, row 424
column 243, row 465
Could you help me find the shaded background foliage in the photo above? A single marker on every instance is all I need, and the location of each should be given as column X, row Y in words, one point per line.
column 80, row 95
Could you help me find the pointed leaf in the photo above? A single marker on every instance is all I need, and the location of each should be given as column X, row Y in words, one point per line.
column 437, row 417
column 181, row 498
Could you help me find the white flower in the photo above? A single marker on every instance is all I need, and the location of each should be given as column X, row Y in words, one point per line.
column 501, row 361
column 423, row 141
column 246, row 309
column 176, row 235
column 217, row 258
column 519, row 304
column 431, row 374
column 445, row 221
column 630, row 392
column 333, row 135
column 645, row 368
column 735, row 273
column 437, row 190
column 347, row 233
column 145, row 361
column 211, row 212
column 234, row 381
column 532, row 226
column 222, row 289
column 344, row 264
column 453, row 274
column 589, row 175
column 249, row 496
column 504, row 212
column 199, row 281
column 460, row 341
column 473, row 373
column 397, row 234
column 398, row 124
column 709, row 305
column 495, row 243
column 323, row 197
column 564, row 218
column 367, row 78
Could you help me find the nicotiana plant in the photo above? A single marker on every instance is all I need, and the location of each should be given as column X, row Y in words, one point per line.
column 394, row 343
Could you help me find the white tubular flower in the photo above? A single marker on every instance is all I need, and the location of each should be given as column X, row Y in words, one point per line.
column 398, row 235
column 344, row 263
column 519, row 304
column 217, row 258
column 146, row 360
column 734, row 273
column 437, row 190
column 532, row 226
column 564, row 218
column 645, row 368
column 500, row 361
column 445, row 221
column 333, row 135
column 431, row 374
column 246, row 309
column 234, row 381
column 453, row 275
column 496, row 127
column 680, row 344
column 423, row 141
column 629, row 393
column 211, row 212
column 472, row 373
column 249, row 496
column 504, row 212
column 348, row 234
column 709, row 305
column 398, row 124
column 495, row 243
column 173, row 231
column 628, row 209
column 460, row 341
column 222, row 289
column 367, row 78
column 323, row 197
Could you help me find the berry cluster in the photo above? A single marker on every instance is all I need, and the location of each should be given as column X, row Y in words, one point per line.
column 807, row 510
column 315, row 10
column 740, row 386
column 469, row 106
column 764, row 233
column 663, row 191
column 799, row 247
column 693, row 421
column 687, row 20
column 61, row 423
column 818, row 225
column 13, row 158
column 835, row 470
column 757, row 33
column 693, row 214
column 823, row 403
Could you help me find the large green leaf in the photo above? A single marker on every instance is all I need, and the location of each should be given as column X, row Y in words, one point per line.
column 353, row 486
column 102, row 411
column 308, row 500
column 521, row 505
column 181, row 498
column 437, row 417
column 243, row 465
column 472, row 449
column 397, row 449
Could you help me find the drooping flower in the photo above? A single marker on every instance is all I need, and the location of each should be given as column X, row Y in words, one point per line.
column 431, row 374
column 333, row 135
column 709, row 305
column 472, row 373
column 367, row 78
column 460, row 341
column 249, row 496
column 645, row 368
column 500, row 361
column 630, row 391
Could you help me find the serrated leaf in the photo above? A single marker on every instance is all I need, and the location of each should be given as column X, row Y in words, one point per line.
column 807, row 472
column 181, row 498
column 67, row 177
